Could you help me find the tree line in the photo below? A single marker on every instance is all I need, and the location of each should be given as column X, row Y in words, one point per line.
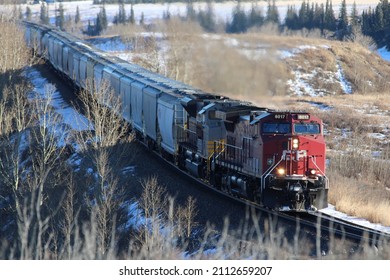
column 374, row 22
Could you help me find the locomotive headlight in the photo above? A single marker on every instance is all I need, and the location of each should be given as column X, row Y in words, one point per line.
column 281, row 171
column 295, row 143
column 313, row 172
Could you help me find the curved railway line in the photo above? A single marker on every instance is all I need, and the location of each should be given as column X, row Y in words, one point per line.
column 326, row 224
column 318, row 224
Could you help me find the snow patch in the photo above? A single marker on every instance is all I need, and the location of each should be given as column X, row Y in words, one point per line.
column 135, row 217
column 331, row 210
column 345, row 85
column 129, row 170
column 300, row 86
column 69, row 115
column 378, row 136
column 384, row 53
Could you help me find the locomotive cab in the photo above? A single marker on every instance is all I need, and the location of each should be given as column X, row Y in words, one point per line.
column 293, row 152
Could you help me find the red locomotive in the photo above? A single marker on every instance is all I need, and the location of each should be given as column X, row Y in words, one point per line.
column 276, row 159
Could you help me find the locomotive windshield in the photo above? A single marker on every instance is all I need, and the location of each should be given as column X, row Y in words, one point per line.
column 307, row 128
column 276, row 128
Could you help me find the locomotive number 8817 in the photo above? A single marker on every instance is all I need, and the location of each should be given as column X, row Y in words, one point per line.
column 275, row 159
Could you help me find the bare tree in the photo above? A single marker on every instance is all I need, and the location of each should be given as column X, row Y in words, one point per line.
column 187, row 216
column 106, row 144
column 153, row 203
column 14, row 54
column 150, row 56
column 183, row 40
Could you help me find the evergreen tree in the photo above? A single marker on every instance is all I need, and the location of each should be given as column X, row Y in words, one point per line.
column 101, row 21
column 303, row 15
column 77, row 18
column 292, row 20
column 310, row 15
column 142, row 19
column 103, row 16
column 272, row 12
column 44, row 16
column 329, row 19
column 28, row 13
column 255, row 17
column 60, row 17
column 342, row 24
column 239, row 22
column 319, row 15
column 191, row 13
column 20, row 13
column 379, row 19
column 386, row 13
column 207, row 18
column 132, row 16
column 354, row 15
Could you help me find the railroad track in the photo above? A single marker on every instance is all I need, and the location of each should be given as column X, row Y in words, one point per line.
column 314, row 222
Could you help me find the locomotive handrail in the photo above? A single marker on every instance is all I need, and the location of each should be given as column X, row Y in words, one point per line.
column 268, row 172
column 321, row 172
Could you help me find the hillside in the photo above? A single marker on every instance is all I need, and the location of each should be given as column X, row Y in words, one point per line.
column 345, row 83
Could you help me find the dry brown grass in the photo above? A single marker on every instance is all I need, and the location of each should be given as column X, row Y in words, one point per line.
column 226, row 71
column 210, row 64
column 359, row 198
column 367, row 71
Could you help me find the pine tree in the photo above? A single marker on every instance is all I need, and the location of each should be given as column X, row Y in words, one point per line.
column 310, row 15
column 44, row 17
column 319, row 14
column 122, row 12
column 379, row 19
column 386, row 13
column 101, row 21
column 132, row 16
column 354, row 15
column 272, row 12
column 207, row 19
column 20, row 13
column 191, row 13
column 330, row 19
column 104, row 17
column 291, row 21
column 255, row 17
column 239, row 22
column 342, row 25
column 60, row 17
column 142, row 19
column 303, row 15
column 28, row 13
column 77, row 18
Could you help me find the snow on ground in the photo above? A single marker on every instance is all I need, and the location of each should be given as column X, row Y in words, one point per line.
column 135, row 216
column 356, row 220
column 70, row 116
column 300, row 85
column 345, row 85
column 384, row 53
column 114, row 44
column 222, row 11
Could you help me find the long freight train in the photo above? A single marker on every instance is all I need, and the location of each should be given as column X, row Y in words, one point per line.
column 273, row 158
